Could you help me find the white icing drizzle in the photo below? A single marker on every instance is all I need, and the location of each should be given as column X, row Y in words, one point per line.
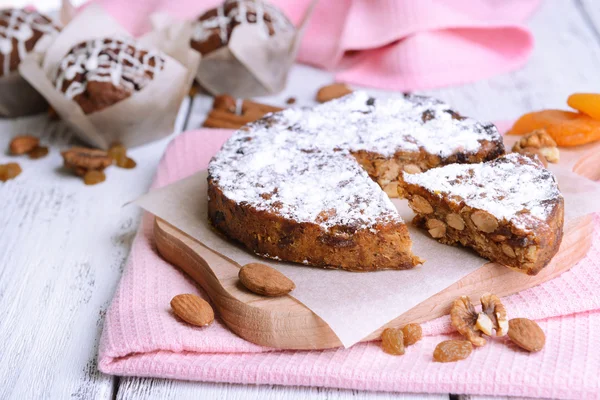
column 512, row 188
column 240, row 13
column 300, row 160
column 119, row 61
column 17, row 26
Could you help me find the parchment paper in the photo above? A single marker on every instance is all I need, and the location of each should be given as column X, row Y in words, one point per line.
column 353, row 304
column 251, row 65
column 146, row 115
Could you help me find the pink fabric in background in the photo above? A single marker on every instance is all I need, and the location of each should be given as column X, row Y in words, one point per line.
column 141, row 337
column 394, row 44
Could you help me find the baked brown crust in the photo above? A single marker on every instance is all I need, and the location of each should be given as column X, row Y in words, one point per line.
column 289, row 186
column 270, row 235
column 526, row 246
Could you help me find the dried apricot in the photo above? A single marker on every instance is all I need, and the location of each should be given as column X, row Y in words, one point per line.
column 392, row 341
column 412, row 334
column 587, row 103
column 565, row 127
column 452, row 350
column 93, row 177
column 9, row 171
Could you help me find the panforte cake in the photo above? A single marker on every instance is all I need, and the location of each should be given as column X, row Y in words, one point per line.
column 509, row 210
column 101, row 72
column 301, row 185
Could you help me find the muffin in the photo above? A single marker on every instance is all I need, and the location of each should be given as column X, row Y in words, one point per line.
column 101, row 72
column 213, row 29
column 20, row 31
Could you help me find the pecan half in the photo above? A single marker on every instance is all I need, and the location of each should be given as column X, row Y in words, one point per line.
column 82, row 157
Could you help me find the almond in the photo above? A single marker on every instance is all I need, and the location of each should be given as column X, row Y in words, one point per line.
column 333, row 91
column 484, row 221
column 23, row 144
column 264, row 280
column 526, row 334
column 192, row 309
column 420, row 205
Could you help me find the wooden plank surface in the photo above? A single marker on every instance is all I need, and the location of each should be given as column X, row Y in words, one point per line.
column 57, row 275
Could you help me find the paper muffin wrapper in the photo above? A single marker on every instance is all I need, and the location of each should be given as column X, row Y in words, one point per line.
column 18, row 98
column 148, row 114
column 251, row 65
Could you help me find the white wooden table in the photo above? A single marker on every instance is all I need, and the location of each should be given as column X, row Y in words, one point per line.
column 63, row 245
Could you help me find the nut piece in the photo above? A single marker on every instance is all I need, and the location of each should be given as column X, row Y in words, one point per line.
column 86, row 158
column 23, row 144
column 526, row 334
column 452, row 350
column 484, row 221
column 542, row 141
column 496, row 312
column 506, row 249
column 290, row 100
column 532, row 153
column 412, row 334
column 225, row 102
column 411, row 169
column 455, row 221
column 192, row 309
column 420, row 205
column 9, row 171
column 464, row 319
column 484, row 324
column 437, row 229
column 93, row 177
column 264, row 280
column 333, row 91
column 392, row 341
column 38, row 152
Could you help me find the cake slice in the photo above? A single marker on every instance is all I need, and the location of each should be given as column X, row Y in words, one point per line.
column 509, row 210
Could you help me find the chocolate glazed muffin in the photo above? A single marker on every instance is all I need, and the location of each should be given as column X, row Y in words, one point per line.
column 20, row 31
column 213, row 29
column 101, row 72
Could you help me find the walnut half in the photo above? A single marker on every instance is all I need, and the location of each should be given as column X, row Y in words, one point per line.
column 472, row 324
column 540, row 140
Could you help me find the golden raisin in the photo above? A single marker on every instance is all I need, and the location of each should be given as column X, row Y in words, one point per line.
column 412, row 334
column 38, row 152
column 392, row 341
column 9, row 171
column 565, row 127
column 127, row 163
column 93, row 177
column 587, row 103
column 118, row 153
column 452, row 350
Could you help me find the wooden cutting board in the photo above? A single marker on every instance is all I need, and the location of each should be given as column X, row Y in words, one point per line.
column 285, row 323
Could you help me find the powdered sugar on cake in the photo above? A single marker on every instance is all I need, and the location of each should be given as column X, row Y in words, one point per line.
column 299, row 162
column 119, row 61
column 511, row 188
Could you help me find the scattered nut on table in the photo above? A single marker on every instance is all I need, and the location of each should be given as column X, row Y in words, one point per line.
column 192, row 309
column 264, row 280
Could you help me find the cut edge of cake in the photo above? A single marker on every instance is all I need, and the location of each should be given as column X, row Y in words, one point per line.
column 509, row 210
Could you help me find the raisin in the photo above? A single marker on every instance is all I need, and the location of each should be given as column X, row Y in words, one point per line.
column 9, row 171
column 452, row 350
column 587, row 103
column 128, row 163
column 392, row 341
column 118, row 153
column 93, row 177
column 412, row 334
column 565, row 127
column 38, row 152
column 291, row 100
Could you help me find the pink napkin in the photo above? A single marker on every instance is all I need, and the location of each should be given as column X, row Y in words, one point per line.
column 390, row 44
column 141, row 337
